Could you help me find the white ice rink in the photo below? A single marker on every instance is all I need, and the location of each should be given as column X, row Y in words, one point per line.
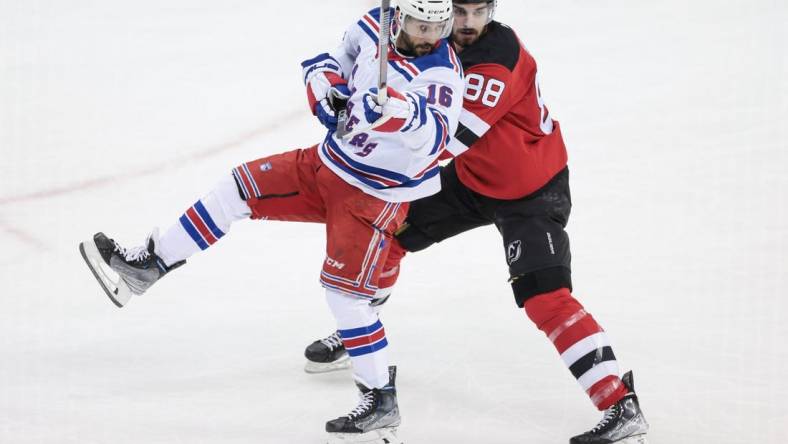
column 116, row 116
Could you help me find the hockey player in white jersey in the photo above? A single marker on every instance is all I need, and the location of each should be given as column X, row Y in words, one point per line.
column 358, row 185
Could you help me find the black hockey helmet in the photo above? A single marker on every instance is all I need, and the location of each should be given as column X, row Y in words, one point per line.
column 493, row 4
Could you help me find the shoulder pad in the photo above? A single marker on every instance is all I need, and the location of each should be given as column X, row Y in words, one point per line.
column 499, row 45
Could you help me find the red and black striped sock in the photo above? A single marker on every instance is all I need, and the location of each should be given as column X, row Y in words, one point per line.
column 582, row 343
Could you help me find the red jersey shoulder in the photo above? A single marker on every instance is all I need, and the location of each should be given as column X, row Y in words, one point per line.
column 497, row 65
column 498, row 46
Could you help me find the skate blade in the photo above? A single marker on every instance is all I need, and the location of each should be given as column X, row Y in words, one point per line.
column 387, row 435
column 637, row 439
column 117, row 290
column 342, row 363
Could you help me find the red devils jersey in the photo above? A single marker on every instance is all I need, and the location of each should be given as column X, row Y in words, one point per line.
column 510, row 146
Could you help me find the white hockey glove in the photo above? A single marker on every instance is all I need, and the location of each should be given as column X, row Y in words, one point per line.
column 326, row 90
column 401, row 112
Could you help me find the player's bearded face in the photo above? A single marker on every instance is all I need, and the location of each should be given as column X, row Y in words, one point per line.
column 415, row 45
column 419, row 37
column 469, row 23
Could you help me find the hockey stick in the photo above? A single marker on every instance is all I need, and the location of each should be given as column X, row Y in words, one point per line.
column 383, row 74
column 383, row 51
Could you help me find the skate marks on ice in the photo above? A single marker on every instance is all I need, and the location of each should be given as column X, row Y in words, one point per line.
column 110, row 281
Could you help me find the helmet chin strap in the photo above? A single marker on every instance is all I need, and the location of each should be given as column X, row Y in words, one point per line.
column 396, row 30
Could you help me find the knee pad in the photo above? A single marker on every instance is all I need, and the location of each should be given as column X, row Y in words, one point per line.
column 411, row 238
column 528, row 285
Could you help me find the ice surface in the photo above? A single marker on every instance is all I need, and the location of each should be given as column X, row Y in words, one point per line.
column 116, row 116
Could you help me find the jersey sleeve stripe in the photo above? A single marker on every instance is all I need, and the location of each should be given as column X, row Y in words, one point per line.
column 372, row 22
column 474, row 122
column 364, row 27
column 401, row 70
column 441, row 131
column 455, row 64
column 465, row 135
column 456, row 147
column 328, row 66
column 322, row 62
column 317, row 59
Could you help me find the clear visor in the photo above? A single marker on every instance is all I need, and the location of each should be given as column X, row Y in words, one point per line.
column 432, row 31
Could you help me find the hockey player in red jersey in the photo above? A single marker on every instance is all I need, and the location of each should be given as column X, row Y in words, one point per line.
column 511, row 170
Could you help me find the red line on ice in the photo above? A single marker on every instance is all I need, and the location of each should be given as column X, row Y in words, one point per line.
column 99, row 182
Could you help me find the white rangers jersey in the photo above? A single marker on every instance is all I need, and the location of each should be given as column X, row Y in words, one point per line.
column 393, row 166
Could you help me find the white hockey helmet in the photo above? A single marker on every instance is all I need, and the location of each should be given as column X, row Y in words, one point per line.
column 423, row 18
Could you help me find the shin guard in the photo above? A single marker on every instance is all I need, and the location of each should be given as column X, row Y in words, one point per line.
column 204, row 223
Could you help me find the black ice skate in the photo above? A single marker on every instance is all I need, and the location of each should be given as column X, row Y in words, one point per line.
column 374, row 420
column 326, row 355
column 123, row 272
column 622, row 423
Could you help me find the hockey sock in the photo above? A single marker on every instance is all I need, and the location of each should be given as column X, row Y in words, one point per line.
column 583, row 345
column 364, row 337
column 204, row 223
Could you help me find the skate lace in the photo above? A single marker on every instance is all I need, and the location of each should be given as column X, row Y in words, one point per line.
column 366, row 402
column 135, row 254
column 333, row 341
column 609, row 415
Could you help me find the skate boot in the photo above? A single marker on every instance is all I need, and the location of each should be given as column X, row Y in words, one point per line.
column 326, row 355
column 622, row 423
column 123, row 272
column 373, row 421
